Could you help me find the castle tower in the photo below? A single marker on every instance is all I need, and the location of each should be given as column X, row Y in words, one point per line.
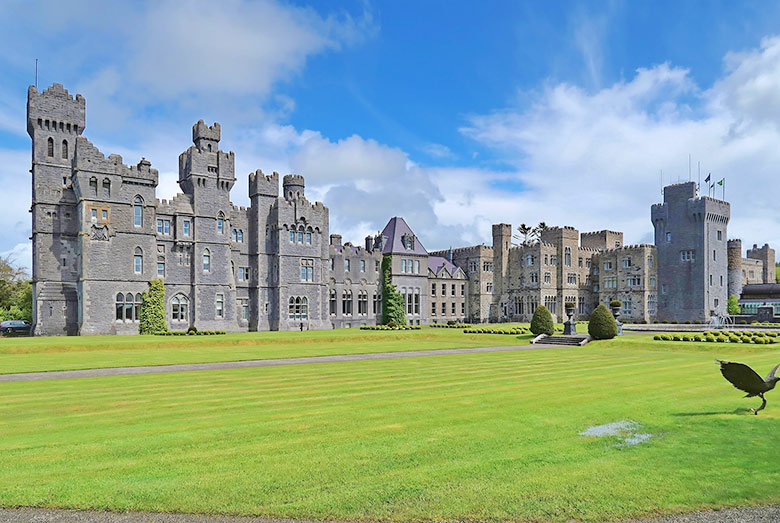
column 735, row 267
column 690, row 239
column 502, row 242
column 767, row 255
column 54, row 121
column 264, row 241
column 293, row 187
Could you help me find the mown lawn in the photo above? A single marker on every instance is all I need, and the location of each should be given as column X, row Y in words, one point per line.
column 89, row 352
column 465, row 437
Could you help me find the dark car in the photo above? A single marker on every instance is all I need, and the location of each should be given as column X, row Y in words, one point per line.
column 7, row 327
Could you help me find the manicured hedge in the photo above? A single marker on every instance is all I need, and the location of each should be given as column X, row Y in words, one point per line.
column 756, row 337
column 602, row 325
column 189, row 333
column 389, row 328
column 450, row 326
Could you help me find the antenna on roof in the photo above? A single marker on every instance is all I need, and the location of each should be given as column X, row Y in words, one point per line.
column 698, row 168
column 36, row 73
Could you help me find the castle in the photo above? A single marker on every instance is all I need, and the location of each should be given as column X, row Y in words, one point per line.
column 99, row 236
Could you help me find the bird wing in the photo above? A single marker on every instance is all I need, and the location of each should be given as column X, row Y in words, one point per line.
column 741, row 376
column 772, row 372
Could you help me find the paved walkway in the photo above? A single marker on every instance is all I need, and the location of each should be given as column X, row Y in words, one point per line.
column 187, row 367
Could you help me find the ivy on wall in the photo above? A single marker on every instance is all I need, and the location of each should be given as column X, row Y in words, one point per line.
column 153, row 309
column 392, row 301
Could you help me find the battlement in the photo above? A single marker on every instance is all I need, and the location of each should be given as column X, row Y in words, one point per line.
column 55, row 111
column 599, row 233
column 88, row 158
column 466, row 251
column 263, row 185
column 634, row 247
column 293, row 179
column 201, row 131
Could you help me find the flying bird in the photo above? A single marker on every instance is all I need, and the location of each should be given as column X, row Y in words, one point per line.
column 747, row 380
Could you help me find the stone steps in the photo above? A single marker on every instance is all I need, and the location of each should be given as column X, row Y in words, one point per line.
column 575, row 340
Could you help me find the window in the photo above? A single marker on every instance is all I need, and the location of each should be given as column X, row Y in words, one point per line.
column 332, row 303
column 587, row 263
column 443, row 309
column 652, row 304
column 292, row 235
column 710, row 279
column 463, row 308
column 417, row 266
column 663, row 288
column 363, row 303
column 668, row 236
column 720, row 235
column 713, row 254
column 206, row 260
column 104, row 214
column 234, row 235
column 106, row 188
column 161, row 269
column 443, row 289
column 330, row 264
column 186, row 227
column 220, row 305
column 716, row 302
column 627, row 262
column 346, row 265
column 127, row 307
column 463, row 289
column 567, row 257
column 652, row 282
column 529, row 260
column 488, row 287
column 721, row 281
column 308, row 236
column 650, row 261
column 610, row 283
column 688, row 256
column 346, row 303
column 473, row 266
column 221, row 223
column 50, row 148
column 93, row 187
column 634, row 280
column 433, row 309
column 487, row 266
column 534, row 277
column 307, row 270
column 243, row 306
column 626, row 305
column 163, row 226
column 362, row 265
column 608, row 265
column 138, row 212
column 65, row 151
column 403, row 265
column 546, row 259
column 547, row 277
column 571, row 278
column 433, row 289
column 453, row 308
column 298, row 308
column 376, row 266
column 138, row 261
column 300, row 234
column 452, row 290
column 377, row 303
column 94, row 215
column 243, row 273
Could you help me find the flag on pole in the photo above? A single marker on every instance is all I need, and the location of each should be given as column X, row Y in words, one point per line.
column 707, row 179
column 721, row 182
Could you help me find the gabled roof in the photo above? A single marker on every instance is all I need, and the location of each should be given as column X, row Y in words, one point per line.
column 437, row 263
column 392, row 238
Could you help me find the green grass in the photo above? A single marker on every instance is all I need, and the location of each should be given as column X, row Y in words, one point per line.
column 477, row 436
column 70, row 353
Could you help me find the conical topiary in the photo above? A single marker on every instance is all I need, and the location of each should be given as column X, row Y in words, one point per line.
column 602, row 325
column 542, row 322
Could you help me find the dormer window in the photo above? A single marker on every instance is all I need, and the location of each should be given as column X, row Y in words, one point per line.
column 408, row 242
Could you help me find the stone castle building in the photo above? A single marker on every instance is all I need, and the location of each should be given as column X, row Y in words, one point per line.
column 99, row 235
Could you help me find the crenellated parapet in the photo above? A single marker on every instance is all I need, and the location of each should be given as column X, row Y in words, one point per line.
column 263, row 185
column 89, row 159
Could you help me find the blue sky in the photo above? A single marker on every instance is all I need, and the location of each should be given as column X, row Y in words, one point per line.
column 455, row 115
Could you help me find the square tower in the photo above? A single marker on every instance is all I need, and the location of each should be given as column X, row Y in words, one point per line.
column 692, row 249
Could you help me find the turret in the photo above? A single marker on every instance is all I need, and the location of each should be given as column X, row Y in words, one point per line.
column 767, row 255
column 735, row 267
column 263, row 185
column 502, row 242
column 206, row 138
column 293, row 187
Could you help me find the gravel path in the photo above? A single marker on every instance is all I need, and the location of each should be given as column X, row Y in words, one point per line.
column 187, row 367
column 45, row 515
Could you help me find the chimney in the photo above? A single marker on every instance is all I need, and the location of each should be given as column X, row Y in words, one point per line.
column 369, row 243
column 335, row 239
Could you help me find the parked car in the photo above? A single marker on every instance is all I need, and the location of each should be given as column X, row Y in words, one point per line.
column 9, row 326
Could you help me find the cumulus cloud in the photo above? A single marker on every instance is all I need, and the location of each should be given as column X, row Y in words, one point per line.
column 593, row 159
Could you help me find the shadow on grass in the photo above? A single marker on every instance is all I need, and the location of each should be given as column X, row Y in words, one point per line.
column 714, row 413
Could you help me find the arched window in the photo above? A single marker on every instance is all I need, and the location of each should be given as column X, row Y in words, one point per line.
column 93, row 187
column 346, row 303
column 179, row 308
column 138, row 211
column 50, row 147
column 120, row 307
column 332, row 302
column 106, row 188
column 567, row 257
column 138, row 261
column 304, row 308
column 209, row 146
column 240, row 237
column 221, row 223
column 300, row 234
column 298, row 308
column 129, row 308
column 308, row 235
column 137, row 307
column 206, row 260
column 65, row 149
column 234, row 235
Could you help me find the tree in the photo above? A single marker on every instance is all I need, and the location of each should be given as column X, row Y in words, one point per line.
column 733, row 305
column 525, row 230
column 539, row 229
column 602, row 324
column 15, row 292
column 392, row 301
column 153, row 309
column 542, row 322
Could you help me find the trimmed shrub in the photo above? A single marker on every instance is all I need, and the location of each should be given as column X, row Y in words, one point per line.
column 602, row 324
column 542, row 322
column 745, row 339
column 709, row 337
column 152, row 309
column 656, row 337
column 696, row 337
column 615, row 304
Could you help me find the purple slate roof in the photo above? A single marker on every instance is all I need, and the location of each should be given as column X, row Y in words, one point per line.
column 435, row 263
column 392, row 236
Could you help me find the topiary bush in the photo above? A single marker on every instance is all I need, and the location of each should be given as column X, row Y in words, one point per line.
column 542, row 322
column 152, row 309
column 602, row 325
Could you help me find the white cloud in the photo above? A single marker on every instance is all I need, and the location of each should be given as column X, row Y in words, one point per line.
column 592, row 160
column 20, row 255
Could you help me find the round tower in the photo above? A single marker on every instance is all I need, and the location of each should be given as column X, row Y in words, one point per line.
column 735, row 267
column 293, row 186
